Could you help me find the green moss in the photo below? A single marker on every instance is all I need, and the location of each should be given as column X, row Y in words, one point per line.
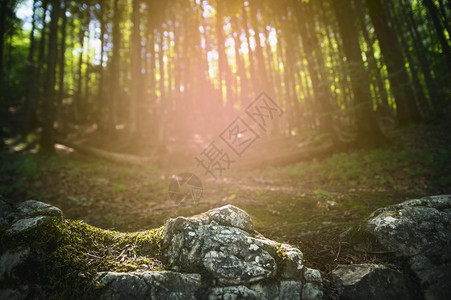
column 68, row 254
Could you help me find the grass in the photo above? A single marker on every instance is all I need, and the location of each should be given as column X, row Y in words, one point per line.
column 380, row 167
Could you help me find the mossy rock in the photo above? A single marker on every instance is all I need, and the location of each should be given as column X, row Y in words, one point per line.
column 59, row 258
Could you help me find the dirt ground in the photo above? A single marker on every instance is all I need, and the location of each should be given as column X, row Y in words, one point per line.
column 307, row 204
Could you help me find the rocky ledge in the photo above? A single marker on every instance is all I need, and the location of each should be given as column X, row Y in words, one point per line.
column 219, row 255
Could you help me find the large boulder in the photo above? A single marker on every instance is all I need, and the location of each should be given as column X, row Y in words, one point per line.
column 365, row 281
column 419, row 231
column 233, row 259
column 18, row 223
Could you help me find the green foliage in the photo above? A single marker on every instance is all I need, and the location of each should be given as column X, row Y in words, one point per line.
column 119, row 188
column 322, row 193
column 378, row 167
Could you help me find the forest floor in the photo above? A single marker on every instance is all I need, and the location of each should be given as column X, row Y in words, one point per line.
column 307, row 204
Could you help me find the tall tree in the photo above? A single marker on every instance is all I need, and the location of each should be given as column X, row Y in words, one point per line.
column 368, row 131
column 32, row 68
column 136, row 83
column 114, row 67
column 446, row 49
column 435, row 91
column 47, row 138
column 6, row 14
column 399, row 79
column 62, row 63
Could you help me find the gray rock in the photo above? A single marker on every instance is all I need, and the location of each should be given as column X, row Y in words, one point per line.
column 229, row 254
column 31, row 208
column 124, row 286
column 433, row 268
column 232, row 216
column 27, row 223
column 14, row 294
column 10, row 260
column 312, row 290
column 373, row 282
column 419, row 230
column 234, row 293
column 6, row 210
column 290, row 290
column 268, row 289
column 292, row 266
column 149, row 285
column 222, row 246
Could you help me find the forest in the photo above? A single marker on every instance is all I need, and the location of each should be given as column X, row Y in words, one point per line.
column 308, row 114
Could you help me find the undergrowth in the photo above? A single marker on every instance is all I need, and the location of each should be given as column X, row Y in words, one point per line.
column 380, row 167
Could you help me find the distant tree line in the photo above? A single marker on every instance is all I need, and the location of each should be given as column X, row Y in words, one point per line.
column 152, row 68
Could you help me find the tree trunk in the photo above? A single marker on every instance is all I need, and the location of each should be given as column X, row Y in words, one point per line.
column 31, row 80
column 242, row 88
column 47, row 138
column 79, row 92
column 446, row 21
column 252, row 68
column 221, row 48
column 446, row 49
column 261, row 68
column 59, row 115
column 163, row 98
column 368, row 132
column 372, row 62
column 124, row 159
column 2, row 36
column 435, row 92
column 100, row 88
column 417, row 86
column 136, row 71
column 399, row 79
column 315, row 65
column 114, row 77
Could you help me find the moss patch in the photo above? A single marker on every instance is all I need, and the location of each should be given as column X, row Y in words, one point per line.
column 66, row 255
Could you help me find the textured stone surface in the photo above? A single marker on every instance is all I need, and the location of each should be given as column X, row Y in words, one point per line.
column 149, row 285
column 17, row 265
column 411, row 227
column 6, row 210
column 27, row 215
column 228, row 254
column 27, row 223
column 32, row 208
column 10, row 260
column 232, row 255
column 373, row 282
column 222, row 245
column 232, row 216
column 420, row 231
